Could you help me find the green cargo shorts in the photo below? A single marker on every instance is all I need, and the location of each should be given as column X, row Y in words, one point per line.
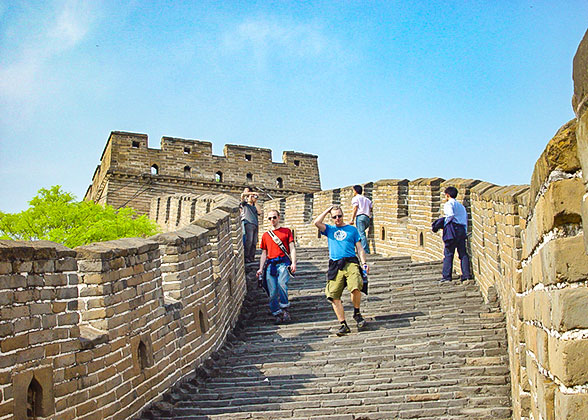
column 349, row 275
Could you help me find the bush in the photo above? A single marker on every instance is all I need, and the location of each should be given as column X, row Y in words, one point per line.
column 56, row 216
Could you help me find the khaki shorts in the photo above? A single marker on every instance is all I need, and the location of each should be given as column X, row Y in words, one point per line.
column 349, row 276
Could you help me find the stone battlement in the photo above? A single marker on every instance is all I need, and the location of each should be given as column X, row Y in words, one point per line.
column 131, row 174
column 103, row 330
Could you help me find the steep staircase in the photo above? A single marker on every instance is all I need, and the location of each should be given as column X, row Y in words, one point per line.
column 430, row 351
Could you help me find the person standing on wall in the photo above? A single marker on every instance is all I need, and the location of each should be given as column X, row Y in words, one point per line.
column 344, row 266
column 362, row 213
column 278, row 259
column 250, row 221
column 244, row 196
column 455, row 233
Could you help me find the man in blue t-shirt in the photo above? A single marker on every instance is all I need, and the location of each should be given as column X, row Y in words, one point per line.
column 344, row 243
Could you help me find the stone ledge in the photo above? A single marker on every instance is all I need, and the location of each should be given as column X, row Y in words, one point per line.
column 116, row 248
column 33, row 250
column 427, row 181
column 391, row 182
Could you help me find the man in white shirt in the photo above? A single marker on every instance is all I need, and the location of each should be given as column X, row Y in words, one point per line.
column 362, row 213
column 456, row 215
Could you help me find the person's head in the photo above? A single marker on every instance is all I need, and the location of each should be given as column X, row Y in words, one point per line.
column 252, row 198
column 274, row 217
column 246, row 189
column 451, row 192
column 358, row 189
column 337, row 215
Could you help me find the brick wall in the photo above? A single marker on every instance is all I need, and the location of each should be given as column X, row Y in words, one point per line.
column 101, row 331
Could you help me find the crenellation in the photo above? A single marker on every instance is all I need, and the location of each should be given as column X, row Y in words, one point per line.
column 132, row 174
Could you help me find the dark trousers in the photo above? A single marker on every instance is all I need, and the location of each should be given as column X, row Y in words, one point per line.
column 250, row 241
column 458, row 243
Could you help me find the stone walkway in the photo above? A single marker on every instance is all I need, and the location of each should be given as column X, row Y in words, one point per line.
column 430, row 351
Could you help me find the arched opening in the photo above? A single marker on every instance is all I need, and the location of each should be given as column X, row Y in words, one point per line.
column 218, row 177
column 187, row 170
column 248, row 158
column 249, row 177
column 421, row 239
column 383, row 236
column 34, row 399
column 279, row 183
column 202, row 321
column 167, row 209
column 296, row 163
column 154, row 169
column 142, row 355
column 186, row 150
column 135, row 145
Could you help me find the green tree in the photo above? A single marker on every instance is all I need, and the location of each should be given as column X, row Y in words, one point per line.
column 56, row 216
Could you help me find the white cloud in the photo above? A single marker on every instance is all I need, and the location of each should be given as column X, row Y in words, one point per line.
column 36, row 41
column 266, row 39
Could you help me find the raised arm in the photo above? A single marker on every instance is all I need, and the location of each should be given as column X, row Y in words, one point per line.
column 318, row 222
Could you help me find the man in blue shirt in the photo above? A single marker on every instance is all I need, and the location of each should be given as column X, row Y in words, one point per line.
column 344, row 266
column 456, row 214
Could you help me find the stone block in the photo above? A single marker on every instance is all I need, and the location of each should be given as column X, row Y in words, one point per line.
column 560, row 205
column 559, row 154
column 568, row 360
column 545, row 397
column 571, row 406
column 564, row 260
column 569, row 309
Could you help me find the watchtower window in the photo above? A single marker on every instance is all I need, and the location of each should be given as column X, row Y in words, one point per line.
column 154, row 170
column 186, row 150
column 187, row 171
column 249, row 177
column 248, row 158
column 202, row 321
column 142, row 355
column 279, row 183
column 296, row 163
column 383, row 233
column 34, row 399
column 136, row 145
column 421, row 239
column 218, row 177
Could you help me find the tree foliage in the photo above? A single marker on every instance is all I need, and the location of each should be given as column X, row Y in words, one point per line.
column 55, row 215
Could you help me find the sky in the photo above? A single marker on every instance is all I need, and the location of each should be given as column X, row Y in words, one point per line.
column 377, row 89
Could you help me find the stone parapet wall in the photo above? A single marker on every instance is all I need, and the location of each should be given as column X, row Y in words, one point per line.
column 132, row 174
column 101, row 331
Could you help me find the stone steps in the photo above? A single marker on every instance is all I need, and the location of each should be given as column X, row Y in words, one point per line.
column 430, row 351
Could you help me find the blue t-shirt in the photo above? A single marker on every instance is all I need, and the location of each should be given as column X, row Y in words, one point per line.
column 341, row 241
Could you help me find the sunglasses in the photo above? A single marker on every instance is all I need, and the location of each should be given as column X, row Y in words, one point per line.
column 272, row 217
column 337, row 216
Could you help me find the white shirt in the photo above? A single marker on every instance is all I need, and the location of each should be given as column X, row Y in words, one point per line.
column 363, row 204
column 457, row 210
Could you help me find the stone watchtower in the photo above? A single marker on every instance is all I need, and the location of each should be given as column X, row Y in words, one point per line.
column 132, row 174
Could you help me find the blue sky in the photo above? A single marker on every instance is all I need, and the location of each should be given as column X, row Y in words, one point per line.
column 390, row 89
